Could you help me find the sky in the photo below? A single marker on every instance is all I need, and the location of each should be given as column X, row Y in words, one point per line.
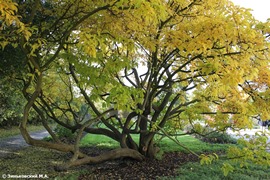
column 260, row 7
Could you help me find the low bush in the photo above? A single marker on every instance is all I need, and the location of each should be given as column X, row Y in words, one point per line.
column 218, row 137
column 210, row 135
column 64, row 134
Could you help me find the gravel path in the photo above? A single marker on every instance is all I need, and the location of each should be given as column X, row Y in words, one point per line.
column 12, row 144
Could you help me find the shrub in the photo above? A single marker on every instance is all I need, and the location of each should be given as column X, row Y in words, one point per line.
column 64, row 133
column 219, row 137
column 210, row 135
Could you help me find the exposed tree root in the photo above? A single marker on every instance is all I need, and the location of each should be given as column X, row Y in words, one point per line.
column 49, row 145
column 82, row 158
column 111, row 155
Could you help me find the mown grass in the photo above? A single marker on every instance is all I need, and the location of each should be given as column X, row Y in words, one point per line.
column 192, row 143
column 100, row 141
column 166, row 145
column 14, row 130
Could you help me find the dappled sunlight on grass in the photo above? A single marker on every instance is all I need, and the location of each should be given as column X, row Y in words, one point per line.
column 106, row 145
column 98, row 140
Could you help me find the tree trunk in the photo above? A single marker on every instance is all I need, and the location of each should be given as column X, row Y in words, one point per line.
column 152, row 149
column 146, row 146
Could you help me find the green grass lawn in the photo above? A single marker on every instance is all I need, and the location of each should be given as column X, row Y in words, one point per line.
column 166, row 145
column 99, row 141
column 192, row 143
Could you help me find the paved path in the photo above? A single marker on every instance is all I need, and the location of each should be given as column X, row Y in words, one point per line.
column 12, row 144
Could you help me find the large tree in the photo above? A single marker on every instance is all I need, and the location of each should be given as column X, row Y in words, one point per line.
column 140, row 67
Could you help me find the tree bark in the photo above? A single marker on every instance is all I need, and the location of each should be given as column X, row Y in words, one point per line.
column 146, row 146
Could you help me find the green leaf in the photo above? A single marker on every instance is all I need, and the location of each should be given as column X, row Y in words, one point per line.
column 227, row 168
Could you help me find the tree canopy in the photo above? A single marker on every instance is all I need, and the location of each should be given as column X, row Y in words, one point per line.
column 137, row 67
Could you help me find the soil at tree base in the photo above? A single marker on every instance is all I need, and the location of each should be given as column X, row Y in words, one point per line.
column 147, row 169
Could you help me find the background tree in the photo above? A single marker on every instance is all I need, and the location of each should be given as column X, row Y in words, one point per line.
column 165, row 64
column 12, row 64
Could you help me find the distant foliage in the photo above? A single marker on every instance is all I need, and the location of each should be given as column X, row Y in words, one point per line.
column 63, row 132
